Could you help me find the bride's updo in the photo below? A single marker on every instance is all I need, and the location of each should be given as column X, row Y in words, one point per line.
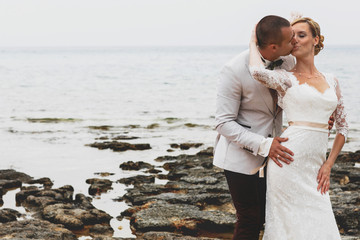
column 315, row 29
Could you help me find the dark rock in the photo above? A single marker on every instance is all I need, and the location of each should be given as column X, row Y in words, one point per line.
column 166, row 158
column 98, row 186
column 123, row 137
column 101, row 230
column 206, row 152
column 103, row 127
column 9, row 184
column 46, row 182
column 153, row 125
column 104, row 174
column 137, row 180
column 186, row 146
column 10, row 174
column 8, row 215
column 171, row 236
column 130, row 165
column 153, row 170
column 37, row 198
column 81, row 199
column 120, row 146
column 74, row 217
column 162, row 216
column 34, row 229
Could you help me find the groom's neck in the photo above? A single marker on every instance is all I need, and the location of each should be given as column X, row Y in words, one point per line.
column 268, row 54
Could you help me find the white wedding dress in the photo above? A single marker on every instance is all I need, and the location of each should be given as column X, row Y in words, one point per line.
column 294, row 207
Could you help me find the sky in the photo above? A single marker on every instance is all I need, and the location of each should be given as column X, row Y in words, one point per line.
column 162, row 22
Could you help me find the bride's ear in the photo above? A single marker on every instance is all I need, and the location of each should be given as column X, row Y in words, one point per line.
column 316, row 40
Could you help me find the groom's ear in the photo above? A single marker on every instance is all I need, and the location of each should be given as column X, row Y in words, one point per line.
column 273, row 47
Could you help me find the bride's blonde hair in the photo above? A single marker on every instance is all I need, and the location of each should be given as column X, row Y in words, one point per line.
column 315, row 30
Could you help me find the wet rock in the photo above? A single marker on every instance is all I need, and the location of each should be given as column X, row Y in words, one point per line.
column 52, row 120
column 9, row 184
column 98, row 186
column 137, row 180
column 101, row 230
column 162, row 216
column 165, row 158
column 345, row 194
column 130, row 165
column 10, row 174
column 81, row 199
column 40, row 198
column 153, row 125
column 34, row 229
column 153, row 170
column 171, row 236
column 8, row 215
column 186, row 146
column 104, row 174
column 120, row 146
column 74, row 217
column 206, row 152
column 46, row 182
column 124, row 137
column 103, row 127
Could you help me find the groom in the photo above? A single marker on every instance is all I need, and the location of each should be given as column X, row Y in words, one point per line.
column 248, row 121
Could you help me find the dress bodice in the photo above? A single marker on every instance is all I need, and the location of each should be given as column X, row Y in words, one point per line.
column 302, row 102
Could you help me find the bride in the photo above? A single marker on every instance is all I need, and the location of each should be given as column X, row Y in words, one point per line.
column 297, row 201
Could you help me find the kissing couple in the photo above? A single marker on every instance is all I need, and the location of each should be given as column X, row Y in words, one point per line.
column 280, row 178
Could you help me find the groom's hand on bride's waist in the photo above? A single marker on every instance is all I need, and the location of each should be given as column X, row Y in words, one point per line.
column 279, row 153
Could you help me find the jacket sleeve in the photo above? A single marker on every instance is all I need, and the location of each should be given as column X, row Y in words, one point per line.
column 227, row 108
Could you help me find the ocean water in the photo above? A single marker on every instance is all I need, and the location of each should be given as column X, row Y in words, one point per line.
column 162, row 95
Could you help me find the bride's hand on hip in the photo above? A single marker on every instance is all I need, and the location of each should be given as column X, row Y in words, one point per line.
column 323, row 178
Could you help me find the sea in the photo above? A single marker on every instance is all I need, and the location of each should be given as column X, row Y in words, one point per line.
column 55, row 101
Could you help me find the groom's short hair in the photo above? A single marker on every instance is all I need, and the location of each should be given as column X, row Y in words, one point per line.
column 268, row 30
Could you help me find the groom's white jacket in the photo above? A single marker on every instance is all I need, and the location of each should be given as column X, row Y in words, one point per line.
column 245, row 116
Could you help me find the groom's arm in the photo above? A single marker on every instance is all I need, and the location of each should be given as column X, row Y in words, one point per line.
column 227, row 108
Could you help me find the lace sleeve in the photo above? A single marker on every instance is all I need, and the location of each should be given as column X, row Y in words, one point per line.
column 276, row 79
column 340, row 114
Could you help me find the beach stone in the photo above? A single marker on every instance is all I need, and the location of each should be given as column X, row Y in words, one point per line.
column 40, row 198
column 345, row 194
column 46, row 182
column 101, row 230
column 74, row 217
column 6, row 185
column 186, row 146
column 137, row 180
column 8, row 215
column 10, row 174
column 124, row 137
column 130, row 165
column 34, row 229
column 171, row 236
column 82, row 200
column 98, row 186
column 120, row 146
column 162, row 216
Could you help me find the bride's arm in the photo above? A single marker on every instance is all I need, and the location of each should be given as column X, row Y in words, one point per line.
column 339, row 141
column 275, row 79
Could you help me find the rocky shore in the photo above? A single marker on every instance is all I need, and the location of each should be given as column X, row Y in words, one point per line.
column 193, row 204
